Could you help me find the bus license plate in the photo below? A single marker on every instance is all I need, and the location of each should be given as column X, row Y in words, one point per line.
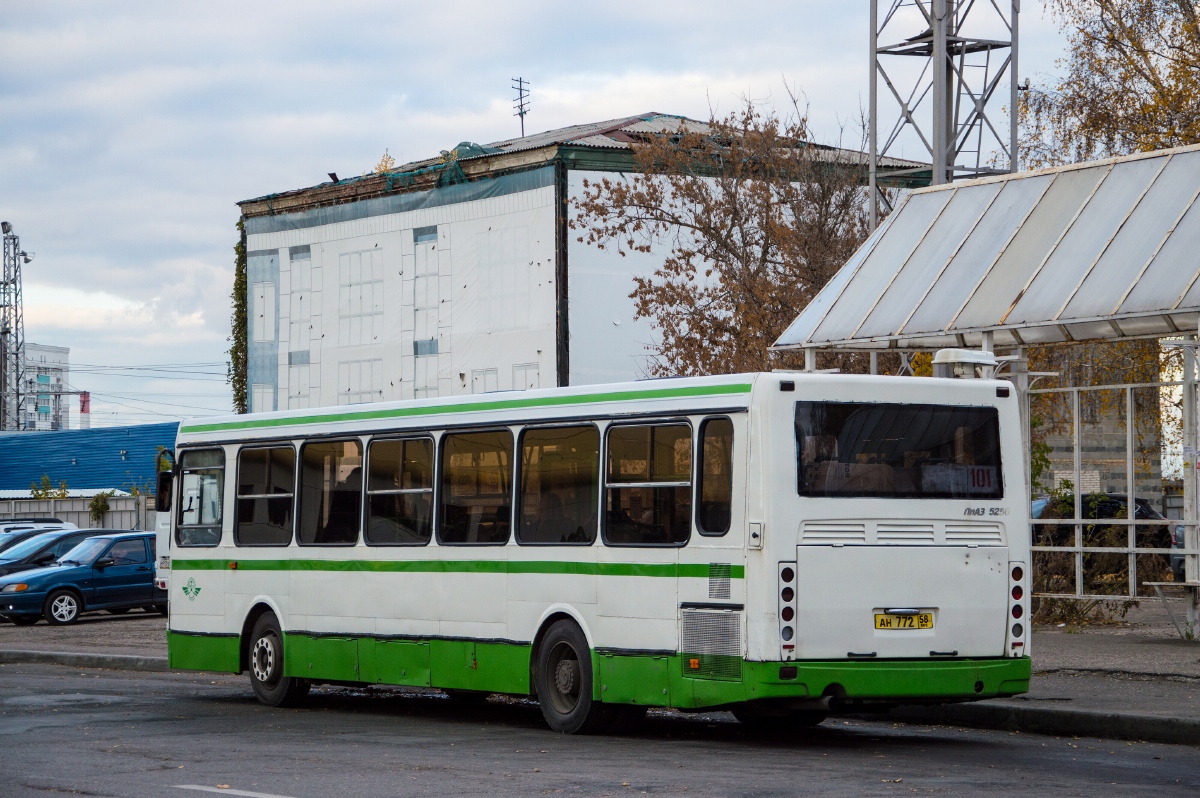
column 922, row 620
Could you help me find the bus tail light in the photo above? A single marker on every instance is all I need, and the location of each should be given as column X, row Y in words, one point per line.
column 1015, row 637
column 785, row 593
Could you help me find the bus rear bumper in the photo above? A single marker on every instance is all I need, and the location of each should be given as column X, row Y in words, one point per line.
column 850, row 683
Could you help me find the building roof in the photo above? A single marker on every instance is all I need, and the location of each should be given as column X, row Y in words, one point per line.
column 1099, row 250
column 596, row 146
column 86, row 459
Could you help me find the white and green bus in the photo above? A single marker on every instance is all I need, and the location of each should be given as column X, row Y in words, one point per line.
column 783, row 545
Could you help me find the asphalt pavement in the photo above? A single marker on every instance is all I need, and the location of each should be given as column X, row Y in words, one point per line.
column 127, row 733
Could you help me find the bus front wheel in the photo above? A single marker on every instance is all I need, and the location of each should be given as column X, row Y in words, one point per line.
column 564, row 682
column 271, row 687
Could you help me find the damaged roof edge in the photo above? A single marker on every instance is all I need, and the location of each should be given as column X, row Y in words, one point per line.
column 596, row 146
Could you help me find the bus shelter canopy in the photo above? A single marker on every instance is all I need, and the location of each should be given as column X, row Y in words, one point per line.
column 1102, row 250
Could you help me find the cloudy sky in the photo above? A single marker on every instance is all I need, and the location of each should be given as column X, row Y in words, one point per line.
column 132, row 129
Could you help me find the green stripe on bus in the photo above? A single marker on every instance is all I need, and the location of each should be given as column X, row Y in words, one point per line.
column 671, row 570
column 474, row 407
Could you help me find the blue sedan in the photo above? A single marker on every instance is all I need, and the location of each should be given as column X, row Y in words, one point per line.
column 112, row 572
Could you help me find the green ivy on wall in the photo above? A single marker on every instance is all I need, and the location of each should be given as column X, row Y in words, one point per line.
column 236, row 371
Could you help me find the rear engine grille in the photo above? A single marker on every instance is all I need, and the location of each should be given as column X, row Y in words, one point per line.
column 712, row 644
column 904, row 534
column 974, row 534
column 827, row 533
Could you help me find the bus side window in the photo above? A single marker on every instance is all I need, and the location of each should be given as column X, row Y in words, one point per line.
column 648, row 486
column 399, row 492
column 476, row 488
column 559, row 486
column 265, row 489
column 715, row 490
column 331, row 483
column 202, row 482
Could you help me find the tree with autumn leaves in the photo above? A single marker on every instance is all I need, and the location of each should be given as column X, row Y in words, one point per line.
column 1130, row 82
column 752, row 219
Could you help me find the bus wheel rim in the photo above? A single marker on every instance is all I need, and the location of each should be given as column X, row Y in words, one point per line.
column 564, row 678
column 262, row 659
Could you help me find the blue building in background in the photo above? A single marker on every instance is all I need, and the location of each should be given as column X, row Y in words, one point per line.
column 114, row 458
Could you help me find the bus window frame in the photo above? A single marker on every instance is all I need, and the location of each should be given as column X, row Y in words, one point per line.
column 439, row 464
column 177, row 507
column 433, row 490
column 295, row 485
column 644, row 422
column 698, row 475
column 298, row 499
column 519, row 496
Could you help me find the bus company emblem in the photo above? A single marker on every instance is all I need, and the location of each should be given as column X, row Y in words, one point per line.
column 190, row 590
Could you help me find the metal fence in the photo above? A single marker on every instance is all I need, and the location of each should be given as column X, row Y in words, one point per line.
column 124, row 512
column 1102, row 458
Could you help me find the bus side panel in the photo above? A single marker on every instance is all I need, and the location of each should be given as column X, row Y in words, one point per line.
column 634, row 679
column 470, row 665
column 310, row 657
column 397, row 662
column 203, row 652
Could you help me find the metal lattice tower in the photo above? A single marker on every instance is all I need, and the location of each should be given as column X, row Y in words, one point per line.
column 944, row 64
column 12, row 331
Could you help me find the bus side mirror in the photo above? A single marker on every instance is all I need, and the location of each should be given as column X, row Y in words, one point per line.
column 162, row 491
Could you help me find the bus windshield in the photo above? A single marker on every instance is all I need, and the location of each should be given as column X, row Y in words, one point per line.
column 891, row 450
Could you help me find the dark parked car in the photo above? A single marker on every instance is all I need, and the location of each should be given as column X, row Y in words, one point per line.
column 113, row 572
column 42, row 548
column 10, row 539
column 1109, row 505
column 1177, row 559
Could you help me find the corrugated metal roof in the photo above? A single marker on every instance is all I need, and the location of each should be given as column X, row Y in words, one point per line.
column 112, row 457
column 1098, row 250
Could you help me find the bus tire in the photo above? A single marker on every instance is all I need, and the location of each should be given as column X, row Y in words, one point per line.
column 564, row 682
column 265, row 656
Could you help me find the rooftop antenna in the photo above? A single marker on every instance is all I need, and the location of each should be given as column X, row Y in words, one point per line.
column 12, row 330
column 521, row 103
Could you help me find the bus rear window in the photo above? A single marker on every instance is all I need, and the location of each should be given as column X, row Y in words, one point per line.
column 860, row 449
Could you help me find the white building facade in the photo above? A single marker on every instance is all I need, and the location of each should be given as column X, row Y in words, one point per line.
column 45, row 387
column 451, row 276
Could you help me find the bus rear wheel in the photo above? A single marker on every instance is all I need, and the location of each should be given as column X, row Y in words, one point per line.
column 564, row 682
column 265, row 657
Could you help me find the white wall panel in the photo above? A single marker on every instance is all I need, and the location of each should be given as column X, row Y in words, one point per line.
column 607, row 345
column 368, row 292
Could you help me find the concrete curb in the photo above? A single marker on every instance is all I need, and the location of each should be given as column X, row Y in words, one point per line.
column 127, row 662
column 1065, row 722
